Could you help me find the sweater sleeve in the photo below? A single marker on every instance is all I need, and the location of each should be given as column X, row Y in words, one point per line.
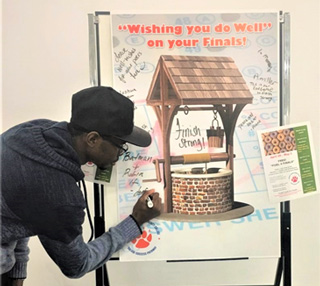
column 21, row 252
column 77, row 258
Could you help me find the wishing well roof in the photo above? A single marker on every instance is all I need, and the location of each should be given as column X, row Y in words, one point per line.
column 198, row 80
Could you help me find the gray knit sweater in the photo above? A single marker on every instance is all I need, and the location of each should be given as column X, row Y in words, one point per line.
column 40, row 197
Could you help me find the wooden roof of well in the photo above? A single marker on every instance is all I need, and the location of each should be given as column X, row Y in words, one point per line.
column 199, row 80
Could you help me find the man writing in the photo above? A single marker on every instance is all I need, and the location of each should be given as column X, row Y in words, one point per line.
column 40, row 168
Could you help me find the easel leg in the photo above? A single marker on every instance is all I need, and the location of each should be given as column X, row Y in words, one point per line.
column 286, row 244
column 284, row 263
column 279, row 272
column 99, row 229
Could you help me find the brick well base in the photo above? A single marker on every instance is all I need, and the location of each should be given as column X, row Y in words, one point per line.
column 202, row 194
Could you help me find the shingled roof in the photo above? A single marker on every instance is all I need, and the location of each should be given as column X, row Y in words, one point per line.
column 199, row 80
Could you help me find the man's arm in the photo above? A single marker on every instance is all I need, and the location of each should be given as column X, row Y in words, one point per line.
column 76, row 258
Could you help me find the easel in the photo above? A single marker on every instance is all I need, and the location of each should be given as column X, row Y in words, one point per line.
column 99, row 228
column 284, row 263
column 101, row 274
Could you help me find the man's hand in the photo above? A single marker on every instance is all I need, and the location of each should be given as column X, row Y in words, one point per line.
column 141, row 212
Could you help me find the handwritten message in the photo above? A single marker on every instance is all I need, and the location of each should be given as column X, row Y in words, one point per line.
column 191, row 30
column 250, row 121
column 189, row 137
column 128, row 64
column 135, row 173
column 265, row 87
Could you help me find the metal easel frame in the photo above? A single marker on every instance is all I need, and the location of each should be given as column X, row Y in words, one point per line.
column 283, row 272
column 284, row 266
column 101, row 273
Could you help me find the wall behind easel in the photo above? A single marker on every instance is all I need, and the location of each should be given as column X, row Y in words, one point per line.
column 45, row 60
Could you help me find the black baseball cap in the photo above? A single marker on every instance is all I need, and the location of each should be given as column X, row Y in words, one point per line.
column 106, row 111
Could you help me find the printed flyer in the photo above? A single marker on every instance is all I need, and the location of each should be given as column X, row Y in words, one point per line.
column 288, row 160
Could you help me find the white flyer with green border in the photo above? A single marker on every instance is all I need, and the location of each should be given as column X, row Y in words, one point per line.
column 289, row 161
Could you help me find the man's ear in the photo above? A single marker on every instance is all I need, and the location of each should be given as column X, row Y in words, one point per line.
column 92, row 138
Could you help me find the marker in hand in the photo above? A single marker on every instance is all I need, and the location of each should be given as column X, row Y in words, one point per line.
column 147, row 207
column 149, row 202
column 149, row 198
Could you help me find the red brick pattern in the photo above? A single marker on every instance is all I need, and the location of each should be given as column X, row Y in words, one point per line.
column 201, row 196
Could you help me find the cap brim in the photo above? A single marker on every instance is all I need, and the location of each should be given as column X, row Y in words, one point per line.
column 138, row 137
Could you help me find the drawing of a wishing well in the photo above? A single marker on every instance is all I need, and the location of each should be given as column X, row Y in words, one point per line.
column 197, row 84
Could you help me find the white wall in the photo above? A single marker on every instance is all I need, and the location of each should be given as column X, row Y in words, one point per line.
column 45, row 60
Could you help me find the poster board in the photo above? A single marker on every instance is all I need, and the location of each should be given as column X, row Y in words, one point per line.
column 258, row 62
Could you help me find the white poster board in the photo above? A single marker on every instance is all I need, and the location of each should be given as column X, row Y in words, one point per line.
column 252, row 41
